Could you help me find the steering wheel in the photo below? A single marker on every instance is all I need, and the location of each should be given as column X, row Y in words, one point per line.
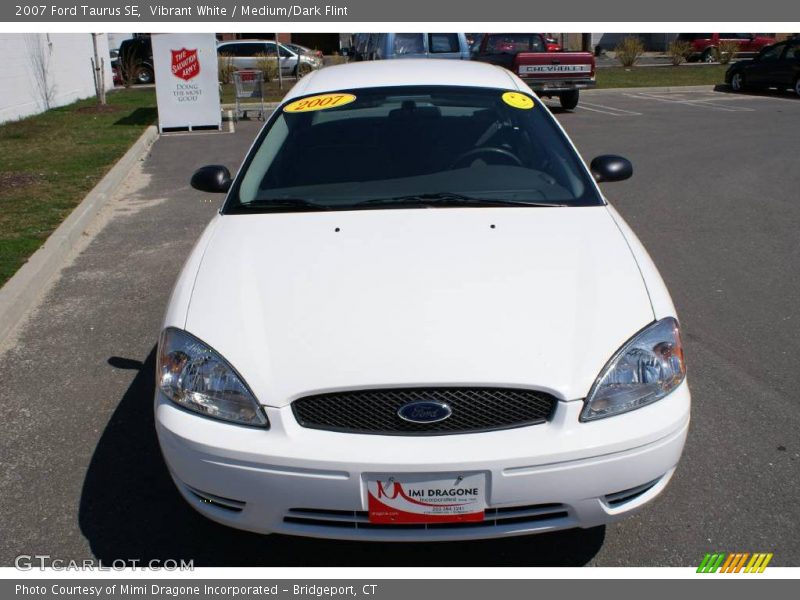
column 495, row 151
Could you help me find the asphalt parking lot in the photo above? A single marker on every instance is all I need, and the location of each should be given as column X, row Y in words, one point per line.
column 715, row 200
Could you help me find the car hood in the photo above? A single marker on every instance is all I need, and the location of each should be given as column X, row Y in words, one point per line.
column 301, row 303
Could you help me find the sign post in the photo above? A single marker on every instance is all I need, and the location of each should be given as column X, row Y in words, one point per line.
column 187, row 90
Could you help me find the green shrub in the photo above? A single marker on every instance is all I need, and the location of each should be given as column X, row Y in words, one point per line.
column 335, row 59
column 267, row 64
column 726, row 50
column 679, row 51
column 629, row 50
column 225, row 68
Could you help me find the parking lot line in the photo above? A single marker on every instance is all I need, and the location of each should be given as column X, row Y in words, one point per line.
column 698, row 103
column 608, row 109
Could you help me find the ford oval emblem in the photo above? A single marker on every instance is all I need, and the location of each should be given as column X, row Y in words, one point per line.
column 424, row 411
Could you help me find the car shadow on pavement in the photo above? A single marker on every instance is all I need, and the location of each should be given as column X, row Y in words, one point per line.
column 765, row 92
column 131, row 511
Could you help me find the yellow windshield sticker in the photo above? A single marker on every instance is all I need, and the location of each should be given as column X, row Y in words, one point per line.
column 321, row 102
column 518, row 100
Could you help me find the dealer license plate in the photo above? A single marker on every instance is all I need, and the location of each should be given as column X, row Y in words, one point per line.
column 433, row 498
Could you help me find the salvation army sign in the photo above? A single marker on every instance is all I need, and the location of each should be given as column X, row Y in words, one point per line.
column 187, row 90
column 185, row 64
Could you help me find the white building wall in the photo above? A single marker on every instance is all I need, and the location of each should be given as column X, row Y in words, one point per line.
column 46, row 70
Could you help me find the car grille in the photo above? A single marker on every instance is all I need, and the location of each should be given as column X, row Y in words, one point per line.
column 493, row 517
column 375, row 411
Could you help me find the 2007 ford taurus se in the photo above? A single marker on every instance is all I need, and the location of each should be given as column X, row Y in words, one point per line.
column 436, row 329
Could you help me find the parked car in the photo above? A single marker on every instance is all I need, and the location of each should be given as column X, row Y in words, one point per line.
column 135, row 54
column 776, row 66
column 704, row 45
column 441, row 331
column 552, row 74
column 246, row 54
column 381, row 46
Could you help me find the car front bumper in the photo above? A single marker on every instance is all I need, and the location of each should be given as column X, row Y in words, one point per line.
column 298, row 481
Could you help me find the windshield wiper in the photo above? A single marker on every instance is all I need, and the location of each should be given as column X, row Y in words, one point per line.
column 410, row 200
column 448, row 199
column 280, row 204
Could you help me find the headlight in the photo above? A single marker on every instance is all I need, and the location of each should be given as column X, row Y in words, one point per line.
column 194, row 376
column 648, row 367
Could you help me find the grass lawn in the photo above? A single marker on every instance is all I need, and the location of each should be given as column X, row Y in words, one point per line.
column 49, row 162
column 617, row 77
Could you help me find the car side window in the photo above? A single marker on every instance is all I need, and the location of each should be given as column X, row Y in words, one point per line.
column 229, row 49
column 793, row 53
column 379, row 44
column 508, row 43
column 248, row 50
column 773, row 52
column 408, row 43
column 443, row 42
column 361, row 42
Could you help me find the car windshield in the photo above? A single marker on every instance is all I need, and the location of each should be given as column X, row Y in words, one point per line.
column 405, row 146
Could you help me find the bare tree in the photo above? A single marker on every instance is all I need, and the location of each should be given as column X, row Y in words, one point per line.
column 39, row 48
column 99, row 72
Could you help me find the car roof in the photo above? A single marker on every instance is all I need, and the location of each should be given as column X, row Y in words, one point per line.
column 405, row 71
column 248, row 41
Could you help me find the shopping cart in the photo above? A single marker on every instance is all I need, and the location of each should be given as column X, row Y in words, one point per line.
column 249, row 85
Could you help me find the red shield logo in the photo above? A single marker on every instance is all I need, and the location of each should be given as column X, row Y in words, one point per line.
column 185, row 64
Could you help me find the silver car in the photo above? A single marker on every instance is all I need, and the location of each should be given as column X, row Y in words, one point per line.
column 245, row 54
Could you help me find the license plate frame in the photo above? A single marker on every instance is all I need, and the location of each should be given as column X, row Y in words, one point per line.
column 413, row 498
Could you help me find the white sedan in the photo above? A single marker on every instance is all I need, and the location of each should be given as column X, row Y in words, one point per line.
column 441, row 331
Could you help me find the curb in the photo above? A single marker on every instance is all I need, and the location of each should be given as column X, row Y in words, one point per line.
column 672, row 88
column 20, row 292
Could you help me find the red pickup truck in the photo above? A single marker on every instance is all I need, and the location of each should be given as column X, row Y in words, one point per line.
column 705, row 44
column 551, row 74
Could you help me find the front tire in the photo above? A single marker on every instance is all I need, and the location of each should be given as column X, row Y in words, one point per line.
column 797, row 86
column 709, row 56
column 737, row 82
column 144, row 76
column 569, row 100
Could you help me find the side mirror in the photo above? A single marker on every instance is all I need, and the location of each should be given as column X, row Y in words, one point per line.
column 610, row 167
column 212, row 178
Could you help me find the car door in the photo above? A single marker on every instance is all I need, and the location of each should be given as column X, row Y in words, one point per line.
column 743, row 40
column 244, row 54
column 765, row 68
column 288, row 59
column 788, row 67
